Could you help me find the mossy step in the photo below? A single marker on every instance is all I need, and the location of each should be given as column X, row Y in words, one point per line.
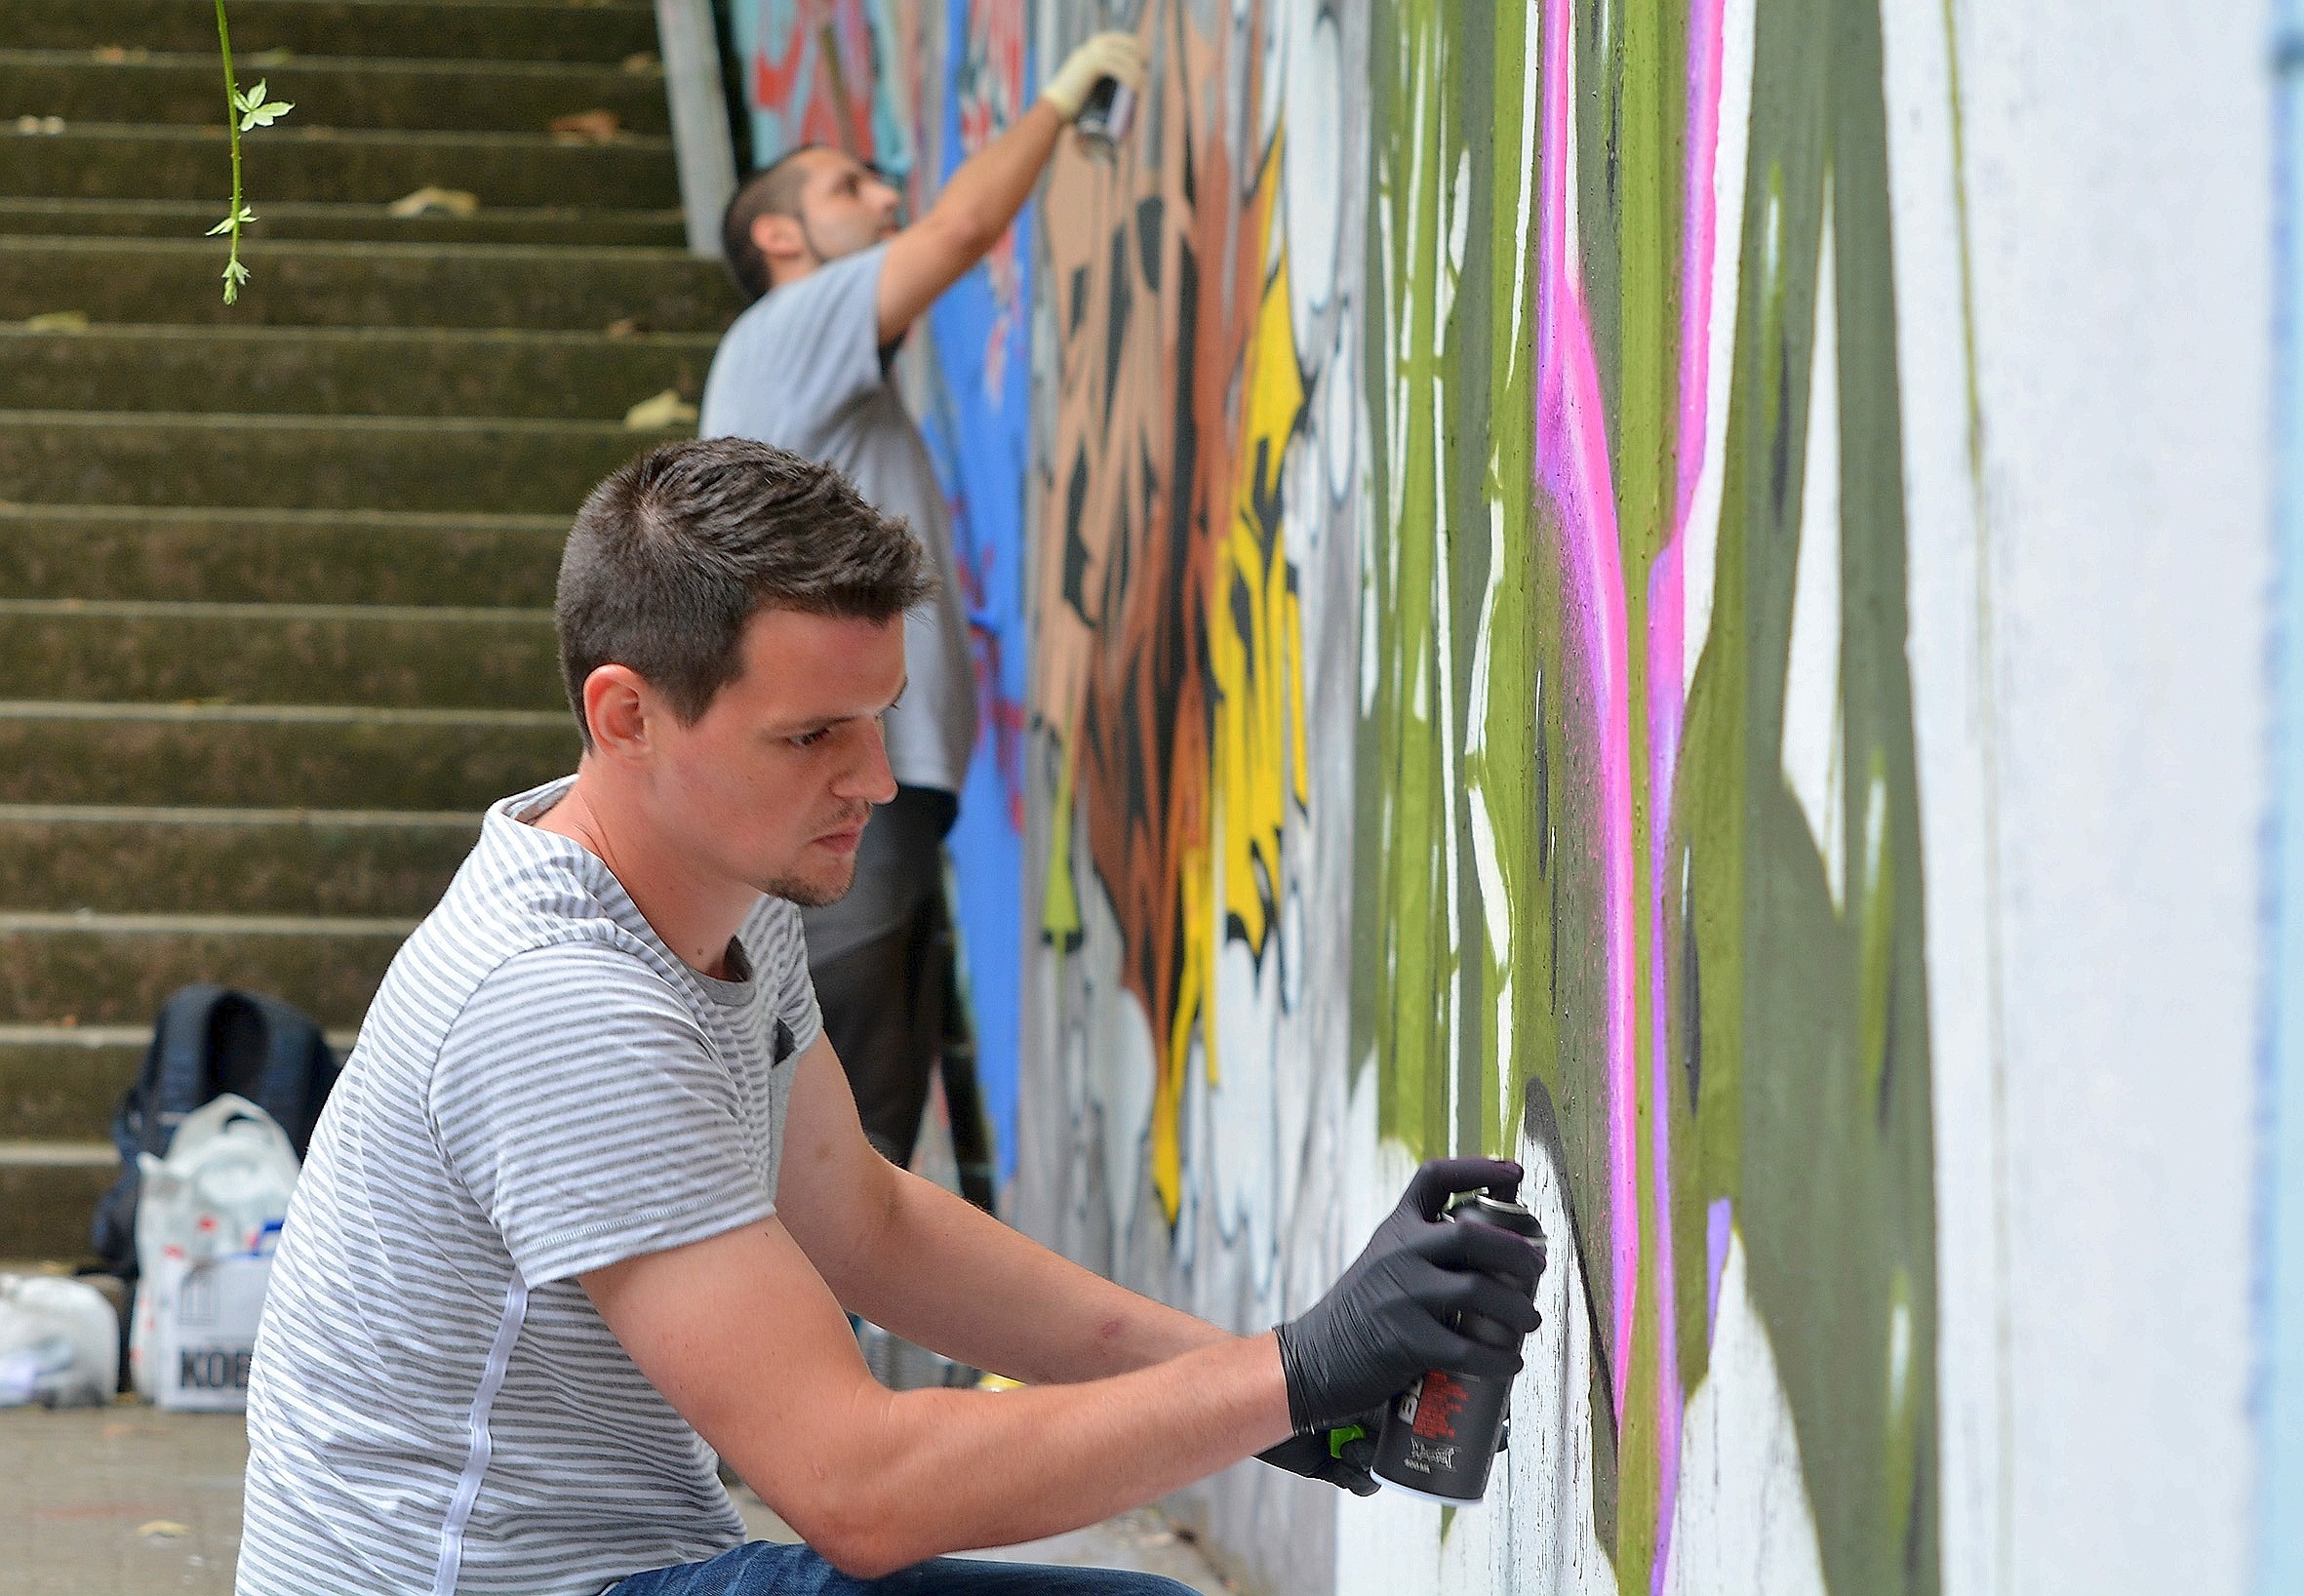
column 350, row 371
column 566, row 31
column 97, row 969
column 101, row 161
column 113, row 651
column 314, row 284
column 122, row 859
column 63, row 1082
column 315, row 462
column 660, row 228
column 49, row 1192
column 330, row 90
column 257, row 556
column 290, row 756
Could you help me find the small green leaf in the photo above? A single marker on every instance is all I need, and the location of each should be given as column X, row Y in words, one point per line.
column 234, row 275
column 263, row 116
column 255, row 97
column 224, row 227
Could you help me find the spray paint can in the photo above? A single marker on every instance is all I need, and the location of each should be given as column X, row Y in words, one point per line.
column 1440, row 1436
column 1105, row 117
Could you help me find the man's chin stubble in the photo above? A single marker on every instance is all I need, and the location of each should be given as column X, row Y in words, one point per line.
column 811, row 895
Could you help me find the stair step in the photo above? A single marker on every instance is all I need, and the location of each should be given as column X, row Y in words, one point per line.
column 118, row 968
column 63, row 1082
column 96, row 160
column 330, row 90
column 278, row 556
column 49, row 1192
column 192, row 219
column 319, row 462
column 289, row 756
column 114, row 860
column 566, row 31
column 113, row 651
column 309, row 283
column 350, row 371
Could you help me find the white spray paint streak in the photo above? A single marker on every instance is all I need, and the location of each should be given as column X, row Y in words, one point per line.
column 1813, row 749
column 1742, row 1522
column 1700, row 540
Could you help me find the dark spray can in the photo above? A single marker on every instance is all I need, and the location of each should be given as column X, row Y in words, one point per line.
column 1440, row 1436
column 1105, row 117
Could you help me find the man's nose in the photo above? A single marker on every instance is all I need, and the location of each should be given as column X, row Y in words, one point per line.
column 869, row 777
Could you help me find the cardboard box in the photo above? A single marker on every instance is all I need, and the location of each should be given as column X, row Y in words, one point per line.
column 205, row 1334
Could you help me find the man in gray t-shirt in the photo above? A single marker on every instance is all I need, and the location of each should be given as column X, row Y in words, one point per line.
column 582, row 1217
column 814, row 237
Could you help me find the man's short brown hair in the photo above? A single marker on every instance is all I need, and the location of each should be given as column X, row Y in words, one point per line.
column 772, row 192
column 676, row 551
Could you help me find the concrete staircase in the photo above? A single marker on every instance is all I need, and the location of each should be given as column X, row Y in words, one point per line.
column 275, row 579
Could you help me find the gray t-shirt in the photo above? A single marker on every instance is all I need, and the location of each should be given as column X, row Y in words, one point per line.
column 802, row 368
column 540, row 1087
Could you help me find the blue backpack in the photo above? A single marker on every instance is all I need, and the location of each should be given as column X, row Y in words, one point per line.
column 211, row 1040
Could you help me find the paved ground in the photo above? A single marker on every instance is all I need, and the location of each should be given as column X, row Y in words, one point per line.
column 131, row 1501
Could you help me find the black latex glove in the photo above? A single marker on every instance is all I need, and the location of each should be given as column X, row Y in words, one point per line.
column 1428, row 1192
column 1344, row 1465
column 1393, row 1314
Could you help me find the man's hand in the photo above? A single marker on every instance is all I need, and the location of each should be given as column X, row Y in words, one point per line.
column 1106, row 56
column 1393, row 1315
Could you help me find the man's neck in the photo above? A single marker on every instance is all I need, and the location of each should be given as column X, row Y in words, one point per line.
column 694, row 917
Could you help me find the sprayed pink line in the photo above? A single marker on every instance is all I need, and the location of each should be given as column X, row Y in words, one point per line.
column 1571, row 450
column 1667, row 705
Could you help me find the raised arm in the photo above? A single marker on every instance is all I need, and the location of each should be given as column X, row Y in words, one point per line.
column 986, row 190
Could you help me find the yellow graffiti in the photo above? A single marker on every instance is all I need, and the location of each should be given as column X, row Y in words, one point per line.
column 1256, row 667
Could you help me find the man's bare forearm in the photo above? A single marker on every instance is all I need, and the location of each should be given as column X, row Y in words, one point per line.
column 939, row 1472
column 985, row 191
column 951, row 1277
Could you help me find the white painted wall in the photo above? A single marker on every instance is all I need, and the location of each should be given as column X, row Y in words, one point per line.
column 2088, row 613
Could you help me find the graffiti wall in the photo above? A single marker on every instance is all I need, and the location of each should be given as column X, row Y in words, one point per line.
column 916, row 87
column 1516, row 552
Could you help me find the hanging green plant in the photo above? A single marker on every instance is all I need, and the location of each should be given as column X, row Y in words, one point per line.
column 243, row 113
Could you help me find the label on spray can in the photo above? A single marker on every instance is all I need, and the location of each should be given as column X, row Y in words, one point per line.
column 1439, row 1439
column 1105, row 117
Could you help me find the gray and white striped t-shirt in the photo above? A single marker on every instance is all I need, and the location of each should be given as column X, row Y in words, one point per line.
column 540, row 1087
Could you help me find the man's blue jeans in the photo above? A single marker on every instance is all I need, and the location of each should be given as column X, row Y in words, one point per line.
column 767, row 1567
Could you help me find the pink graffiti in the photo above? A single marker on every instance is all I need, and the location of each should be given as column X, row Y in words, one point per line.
column 1668, row 706
column 1572, row 464
column 1574, row 467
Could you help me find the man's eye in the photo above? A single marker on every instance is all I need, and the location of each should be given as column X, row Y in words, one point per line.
column 808, row 739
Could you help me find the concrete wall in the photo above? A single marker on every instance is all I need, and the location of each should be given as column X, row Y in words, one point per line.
column 1679, row 588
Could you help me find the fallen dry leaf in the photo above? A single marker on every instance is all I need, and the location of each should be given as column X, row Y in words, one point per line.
column 624, row 326
column 164, row 1529
column 432, row 201
column 666, row 409
column 588, row 127
column 58, row 321
column 641, row 61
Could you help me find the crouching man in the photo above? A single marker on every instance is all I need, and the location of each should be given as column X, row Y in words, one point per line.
column 591, row 1196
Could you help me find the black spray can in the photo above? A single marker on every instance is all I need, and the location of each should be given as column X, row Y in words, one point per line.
column 1440, row 1436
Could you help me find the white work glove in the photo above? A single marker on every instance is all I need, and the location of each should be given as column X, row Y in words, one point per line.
column 1106, row 56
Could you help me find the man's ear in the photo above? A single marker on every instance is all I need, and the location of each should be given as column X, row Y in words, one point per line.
column 778, row 237
column 619, row 707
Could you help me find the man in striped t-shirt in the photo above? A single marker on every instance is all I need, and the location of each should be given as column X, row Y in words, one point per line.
column 591, row 1195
